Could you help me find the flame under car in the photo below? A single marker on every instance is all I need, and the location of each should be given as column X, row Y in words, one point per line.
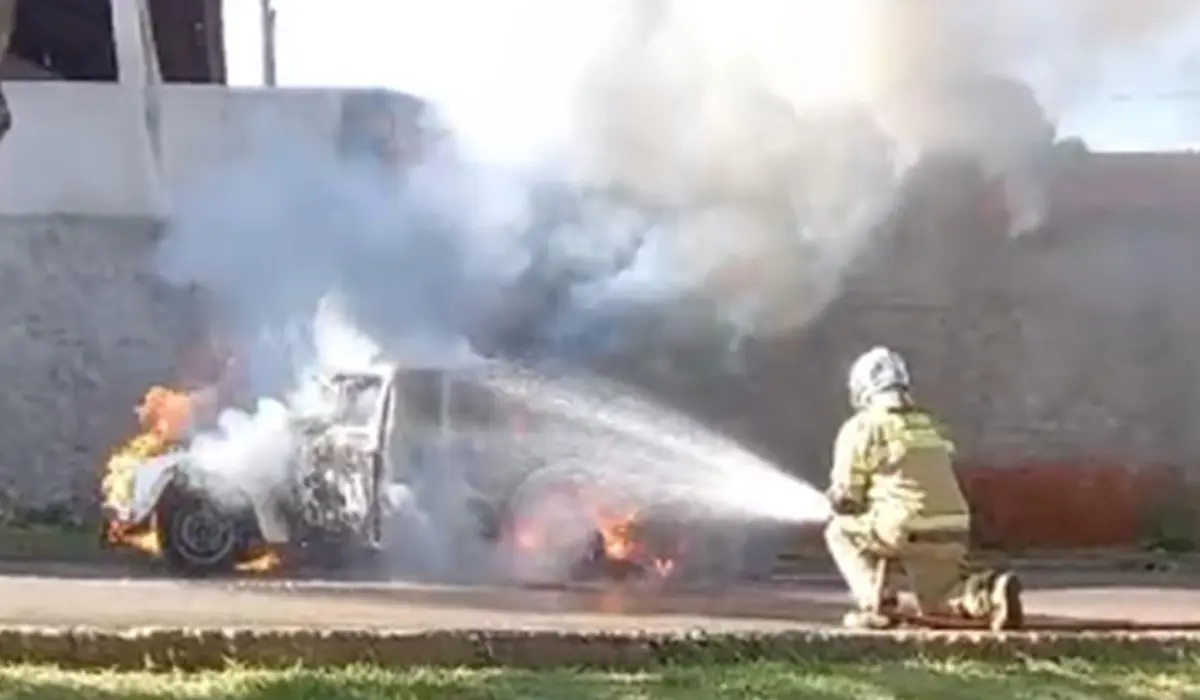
column 327, row 503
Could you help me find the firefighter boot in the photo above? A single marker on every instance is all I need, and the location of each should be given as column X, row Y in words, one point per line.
column 884, row 616
column 1005, row 609
column 867, row 620
column 889, row 603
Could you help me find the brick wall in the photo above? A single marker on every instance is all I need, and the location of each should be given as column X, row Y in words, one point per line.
column 1067, row 365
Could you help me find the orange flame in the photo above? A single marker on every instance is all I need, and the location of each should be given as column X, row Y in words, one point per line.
column 620, row 539
column 617, row 535
column 260, row 562
column 163, row 416
column 622, row 543
column 165, row 412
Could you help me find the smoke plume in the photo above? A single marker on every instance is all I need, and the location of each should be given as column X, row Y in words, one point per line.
column 635, row 157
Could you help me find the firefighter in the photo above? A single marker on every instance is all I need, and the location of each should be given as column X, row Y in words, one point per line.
column 893, row 489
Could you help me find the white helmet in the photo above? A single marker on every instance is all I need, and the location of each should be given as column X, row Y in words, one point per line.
column 875, row 371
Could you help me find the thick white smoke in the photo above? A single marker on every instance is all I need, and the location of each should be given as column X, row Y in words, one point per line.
column 250, row 452
column 246, row 454
column 616, row 156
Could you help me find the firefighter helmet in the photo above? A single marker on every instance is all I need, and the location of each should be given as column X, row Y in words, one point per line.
column 875, row 371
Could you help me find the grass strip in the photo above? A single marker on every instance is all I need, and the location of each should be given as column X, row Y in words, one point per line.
column 916, row 678
column 213, row 649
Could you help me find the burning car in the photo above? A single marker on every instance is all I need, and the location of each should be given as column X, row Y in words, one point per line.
column 552, row 522
column 329, row 500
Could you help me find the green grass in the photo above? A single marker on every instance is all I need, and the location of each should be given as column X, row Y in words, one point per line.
column 1076, row 680
column 48, row 543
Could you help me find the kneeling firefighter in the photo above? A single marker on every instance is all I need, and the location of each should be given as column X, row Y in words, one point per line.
column 895, row 497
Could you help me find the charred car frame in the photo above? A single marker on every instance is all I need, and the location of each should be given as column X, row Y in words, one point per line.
column 328, row 502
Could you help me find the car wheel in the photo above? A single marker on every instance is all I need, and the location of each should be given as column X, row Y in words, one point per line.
column 550, row 530
column 198, row 538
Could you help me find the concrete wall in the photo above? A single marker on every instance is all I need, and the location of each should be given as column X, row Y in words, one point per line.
column 153, row 142
column 77, row 148
column 86, row 178
column 85, row 330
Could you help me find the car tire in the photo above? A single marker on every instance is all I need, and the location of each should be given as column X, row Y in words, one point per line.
column 578, row 544
column 197, row 537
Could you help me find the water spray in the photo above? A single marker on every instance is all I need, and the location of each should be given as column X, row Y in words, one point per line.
column 656, row 454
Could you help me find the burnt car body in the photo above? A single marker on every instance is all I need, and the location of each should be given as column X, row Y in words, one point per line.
column 327, row 503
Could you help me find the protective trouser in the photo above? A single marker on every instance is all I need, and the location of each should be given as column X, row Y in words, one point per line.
column 941, row 584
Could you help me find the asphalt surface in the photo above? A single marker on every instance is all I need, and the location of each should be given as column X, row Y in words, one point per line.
column 77, row 596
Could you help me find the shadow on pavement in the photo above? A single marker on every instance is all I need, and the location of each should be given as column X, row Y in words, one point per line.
column 114, row 569
column 733, row 602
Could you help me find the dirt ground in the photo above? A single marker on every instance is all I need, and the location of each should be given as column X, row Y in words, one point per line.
column 64, row 595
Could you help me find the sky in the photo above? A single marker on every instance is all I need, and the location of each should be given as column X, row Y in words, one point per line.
column 1132, row 106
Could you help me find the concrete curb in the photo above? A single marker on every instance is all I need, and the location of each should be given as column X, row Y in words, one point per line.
column 194, row 649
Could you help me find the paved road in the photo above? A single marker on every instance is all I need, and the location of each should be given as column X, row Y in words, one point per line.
column 72, row 596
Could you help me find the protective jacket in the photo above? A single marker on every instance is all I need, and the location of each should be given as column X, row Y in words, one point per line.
column 892, row 460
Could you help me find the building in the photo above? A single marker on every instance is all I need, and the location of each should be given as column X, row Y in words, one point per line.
column 73, row 40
